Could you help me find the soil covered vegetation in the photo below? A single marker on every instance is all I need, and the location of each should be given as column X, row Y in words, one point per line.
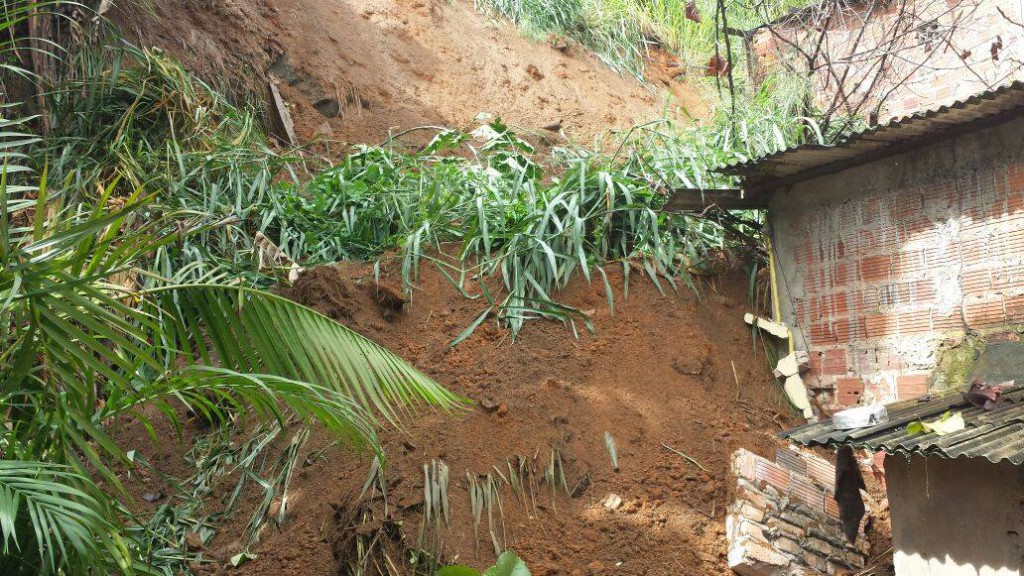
column 456, row 320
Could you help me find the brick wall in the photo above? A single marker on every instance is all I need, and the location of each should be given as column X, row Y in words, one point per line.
column 784, row 519
column 924, row 76
column 885, row 267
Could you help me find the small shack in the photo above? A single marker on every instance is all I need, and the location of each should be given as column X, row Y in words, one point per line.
column 899, row 267
column 899, row 251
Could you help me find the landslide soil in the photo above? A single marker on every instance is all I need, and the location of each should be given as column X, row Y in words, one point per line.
column 357, row 70
column 665, row 370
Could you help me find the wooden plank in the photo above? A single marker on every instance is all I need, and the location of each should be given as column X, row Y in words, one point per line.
column 690, row 199
column 281, row 125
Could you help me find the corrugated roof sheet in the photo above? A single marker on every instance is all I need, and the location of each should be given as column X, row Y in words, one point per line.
column 996, row 435
column 786, row 167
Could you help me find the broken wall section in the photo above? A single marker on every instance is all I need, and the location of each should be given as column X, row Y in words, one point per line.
column 784, row 519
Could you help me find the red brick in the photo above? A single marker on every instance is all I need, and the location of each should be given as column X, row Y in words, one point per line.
column 835, row 305
column 910, row 264
column 773, row 474
column 983, row 312
column 911, row 386
column 833, row 363
column 915, row 322
column 1009, row 277
column 976, row 282
column 831, row 507
column 1014, row 204
column 870, row 212
column 849, row 391
column 953, row 320
column 822, row 333
column 1016, row 177
column 875, row 268
column 1014, row 308
column 845, row 273
column 922, row 291
column 846, row 330
column 816, row 358
column 879, row 325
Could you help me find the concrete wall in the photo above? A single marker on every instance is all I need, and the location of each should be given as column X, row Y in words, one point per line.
column 883, row 268
column 962, row 517
column 924, row 76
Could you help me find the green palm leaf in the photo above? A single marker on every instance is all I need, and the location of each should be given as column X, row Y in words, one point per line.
column 56, row 509
column 252, row 331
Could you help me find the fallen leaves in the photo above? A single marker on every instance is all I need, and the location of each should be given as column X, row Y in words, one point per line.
column 949, row 422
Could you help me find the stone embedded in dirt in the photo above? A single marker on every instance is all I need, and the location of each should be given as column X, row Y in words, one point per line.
column 324, row 130
column 689, row 366
column 193, row 541
column 554, row 126
column 153, row 496
column 612, row 502
column 282, row 68
column 488, row 405
column 502, row 410
column 328, row 107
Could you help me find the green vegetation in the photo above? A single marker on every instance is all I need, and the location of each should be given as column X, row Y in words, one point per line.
column 508, row 564
column 621, row 32
column 106, row 312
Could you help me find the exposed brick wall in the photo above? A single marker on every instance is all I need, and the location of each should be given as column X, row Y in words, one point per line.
column 784, row 519
column 924, row 76
column 883, row 266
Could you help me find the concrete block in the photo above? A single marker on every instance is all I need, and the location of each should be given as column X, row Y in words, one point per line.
column 748, row 510
column 797, row 394
column 750, row 558
column 788, row 546
column 794, row 363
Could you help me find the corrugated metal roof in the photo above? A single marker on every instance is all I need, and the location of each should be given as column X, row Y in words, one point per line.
column 996, row 435
column 763, row 175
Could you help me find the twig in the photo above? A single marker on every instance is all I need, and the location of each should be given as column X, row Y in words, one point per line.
column 736, row 377
column 688, row 459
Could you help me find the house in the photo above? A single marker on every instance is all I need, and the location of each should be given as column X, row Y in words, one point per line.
column 893, row 57
column 899, row 252
column 899, row 266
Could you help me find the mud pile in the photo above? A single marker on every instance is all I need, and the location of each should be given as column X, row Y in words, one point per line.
column 665, row 371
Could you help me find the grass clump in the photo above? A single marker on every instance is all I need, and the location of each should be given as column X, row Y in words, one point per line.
column 620, row 32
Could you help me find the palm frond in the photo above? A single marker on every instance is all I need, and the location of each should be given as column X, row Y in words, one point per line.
column 252, row 331
column 51, row 516
column 215, row 393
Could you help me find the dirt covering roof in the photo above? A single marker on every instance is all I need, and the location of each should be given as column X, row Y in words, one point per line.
column 762, row 176
column 996, row 435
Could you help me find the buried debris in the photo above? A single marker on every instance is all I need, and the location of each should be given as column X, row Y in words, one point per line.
column 612, row 502
column 777, row 329
column 281, row 124
column 271, row 257
column 986, row 396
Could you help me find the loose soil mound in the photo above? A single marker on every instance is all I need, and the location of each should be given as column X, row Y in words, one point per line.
column 669, row 370
column 367, row 67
